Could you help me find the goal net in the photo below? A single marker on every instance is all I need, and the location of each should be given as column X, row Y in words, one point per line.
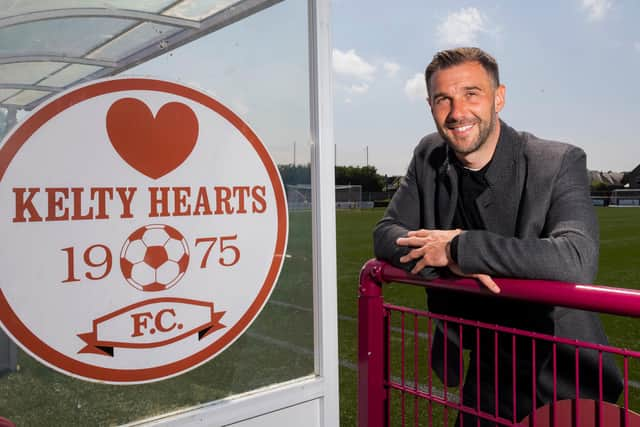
column 347, row 197
column 298, row 196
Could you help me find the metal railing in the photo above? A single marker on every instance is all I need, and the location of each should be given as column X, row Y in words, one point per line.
column 396, row 385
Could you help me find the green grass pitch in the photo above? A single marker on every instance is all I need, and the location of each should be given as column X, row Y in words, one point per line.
column 619, row 266
column 37, row 395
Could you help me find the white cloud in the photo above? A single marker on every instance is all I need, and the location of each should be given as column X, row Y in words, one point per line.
column 596, row 9
column 462, row 27
column 358, row 88
column 415, row 87
column 350, row 64
column 391, row 68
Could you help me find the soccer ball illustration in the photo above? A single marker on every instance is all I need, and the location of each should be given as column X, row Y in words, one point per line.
column 154, row 257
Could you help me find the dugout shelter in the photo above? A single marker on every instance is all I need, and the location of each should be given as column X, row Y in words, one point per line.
column 266, row 65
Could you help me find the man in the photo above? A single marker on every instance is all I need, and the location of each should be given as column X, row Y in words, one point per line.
column 479, row 200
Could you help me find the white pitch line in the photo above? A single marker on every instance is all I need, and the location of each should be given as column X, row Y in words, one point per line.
column 346, row 363
column 340, row 316
column 309, row 310
column 353, row 367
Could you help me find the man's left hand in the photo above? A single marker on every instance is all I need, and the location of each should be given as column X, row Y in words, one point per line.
column 431, row 248
column 486, row 280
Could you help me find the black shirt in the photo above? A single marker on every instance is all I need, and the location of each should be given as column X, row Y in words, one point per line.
column 467, row 216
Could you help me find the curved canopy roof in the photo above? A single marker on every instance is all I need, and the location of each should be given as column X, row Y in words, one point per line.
column 46, row 47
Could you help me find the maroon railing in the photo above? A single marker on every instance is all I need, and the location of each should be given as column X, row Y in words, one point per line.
column 378, row 377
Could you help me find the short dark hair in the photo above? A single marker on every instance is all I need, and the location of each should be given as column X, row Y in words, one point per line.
column 449, row 58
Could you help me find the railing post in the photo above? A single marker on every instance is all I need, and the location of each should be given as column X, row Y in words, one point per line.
column 372, row 395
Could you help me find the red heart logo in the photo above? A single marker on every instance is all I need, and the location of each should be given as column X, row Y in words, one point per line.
column 152, row 146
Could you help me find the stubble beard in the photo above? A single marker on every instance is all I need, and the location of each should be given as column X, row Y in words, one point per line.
column 483, row 136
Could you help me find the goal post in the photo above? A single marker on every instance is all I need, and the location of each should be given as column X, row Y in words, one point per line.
column 347, row 197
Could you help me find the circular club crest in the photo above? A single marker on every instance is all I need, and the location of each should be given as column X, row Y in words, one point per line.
column 158, row 221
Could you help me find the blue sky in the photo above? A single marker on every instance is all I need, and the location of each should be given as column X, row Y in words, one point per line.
column 571, row 68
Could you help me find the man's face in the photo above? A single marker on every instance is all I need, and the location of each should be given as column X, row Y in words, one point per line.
column 464, row 103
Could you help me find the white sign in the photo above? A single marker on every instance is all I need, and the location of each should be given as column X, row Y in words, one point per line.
column 144, row 226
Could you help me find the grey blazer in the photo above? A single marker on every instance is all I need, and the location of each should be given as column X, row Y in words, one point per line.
column 540, row 224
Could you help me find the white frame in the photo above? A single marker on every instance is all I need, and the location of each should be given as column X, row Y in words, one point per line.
column 324, row 208
column 323, row 386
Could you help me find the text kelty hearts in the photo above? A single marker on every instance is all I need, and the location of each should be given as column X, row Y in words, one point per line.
column 98, row 203
column 154, row 146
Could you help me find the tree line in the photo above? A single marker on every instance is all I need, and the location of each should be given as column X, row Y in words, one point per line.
column 366, row 176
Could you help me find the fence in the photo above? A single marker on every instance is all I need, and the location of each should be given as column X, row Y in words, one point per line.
column 397, row 386
column 625, row 197
column 616, row 197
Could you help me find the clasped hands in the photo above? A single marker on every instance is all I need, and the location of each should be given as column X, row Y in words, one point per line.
column 431, row 248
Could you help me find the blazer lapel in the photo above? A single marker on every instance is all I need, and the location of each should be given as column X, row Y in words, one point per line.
column 500, row 213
